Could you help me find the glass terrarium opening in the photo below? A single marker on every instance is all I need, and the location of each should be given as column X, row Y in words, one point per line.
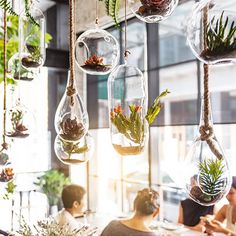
column 97, row 52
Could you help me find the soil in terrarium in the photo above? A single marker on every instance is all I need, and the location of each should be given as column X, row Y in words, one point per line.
column 95, row 63
column 34, row 58
column 72, row 129
column 131, row 150
column 154, row 7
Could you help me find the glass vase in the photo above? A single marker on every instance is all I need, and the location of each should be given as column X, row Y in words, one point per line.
column 216, row 44
column 32, row 38
column 206, row 168
column 152, row 11
column 128, row 106
column 71, row 118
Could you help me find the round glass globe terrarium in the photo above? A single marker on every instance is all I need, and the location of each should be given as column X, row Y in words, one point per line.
column 128, row 107
column 152, row 11
column 32, row 38
column 211, row 32
column 74, row 153
column 97, row 52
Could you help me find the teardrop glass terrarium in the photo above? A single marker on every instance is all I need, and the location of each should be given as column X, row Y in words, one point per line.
column 20, row 122
column 97, row 52
column 206, row 170
column 128, row 107
column 217, row 44
column 32, row 38
column 18, row 72
column 152, row 11
column 74, row 153
column 71, row 121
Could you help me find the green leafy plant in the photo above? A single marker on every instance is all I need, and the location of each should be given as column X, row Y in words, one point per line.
column 52, row 183
column 220, row 41
column 211, row 177
column 10, row 188
column 112, row 9
column 132, row 126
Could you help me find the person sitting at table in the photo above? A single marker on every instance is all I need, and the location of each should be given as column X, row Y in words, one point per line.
column 190, row 212
column 146, row 206
column 73, row 201
column 228, row 213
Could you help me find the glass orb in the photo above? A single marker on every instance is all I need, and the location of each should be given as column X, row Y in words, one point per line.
column 152, row 11
column 20, row 122
column 97, row 52
column 218, row 47
column 74, row 153
column 6, row 172
column 71, row 121
column 128, row 106
column 32, row 39
column 18, row 72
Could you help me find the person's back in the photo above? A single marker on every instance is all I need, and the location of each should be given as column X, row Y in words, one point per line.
column 116, row 228
column 146, row 210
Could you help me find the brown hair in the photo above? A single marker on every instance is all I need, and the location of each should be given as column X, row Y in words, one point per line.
column 72, row 193
column 146, row 201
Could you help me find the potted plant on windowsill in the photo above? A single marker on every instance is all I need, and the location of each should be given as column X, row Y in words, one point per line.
column 52, row 183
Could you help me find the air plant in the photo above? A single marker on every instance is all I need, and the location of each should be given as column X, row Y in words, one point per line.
column 220, row 38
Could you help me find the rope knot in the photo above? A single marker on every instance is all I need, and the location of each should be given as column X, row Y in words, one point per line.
column 70, row 91
column 126, row 54
column 4, row 146
column 206, row 132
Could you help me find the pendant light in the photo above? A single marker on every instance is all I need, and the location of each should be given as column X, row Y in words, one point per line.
column 97, row 52
column 128, row 106
column 220, row 32
column 152, row 11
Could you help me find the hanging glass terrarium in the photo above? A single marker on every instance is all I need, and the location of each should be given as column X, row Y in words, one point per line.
column 20, row 122
column 18, row 72
column 206, row 168
column 128, row 107
column 97, row 52
column 71, row 119
column 6, row 172
column 217, row 43
column 32, row 38
column 72, row 153
column 152, row 11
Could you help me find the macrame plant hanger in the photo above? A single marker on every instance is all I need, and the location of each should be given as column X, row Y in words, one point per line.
column 206, row 130
column 126, row 52
column 4, row 144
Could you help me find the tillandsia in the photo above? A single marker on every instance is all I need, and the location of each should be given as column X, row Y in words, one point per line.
column 18, row 128
column 220, row 38
column 95, row 63
column 71, row 129
column 74, row 148
column 154, row 7
column 132, row 126
column 211, row 182
column 9, row 189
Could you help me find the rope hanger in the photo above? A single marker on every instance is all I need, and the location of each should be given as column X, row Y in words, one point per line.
column 206, row 130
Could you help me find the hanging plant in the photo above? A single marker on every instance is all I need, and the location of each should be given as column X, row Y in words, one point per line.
column 220, row 40
column 217, row 42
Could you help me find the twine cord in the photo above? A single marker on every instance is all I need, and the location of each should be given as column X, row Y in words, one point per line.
column 206, row 130
column 96, row 20
column 126, row 52
column 71, row 87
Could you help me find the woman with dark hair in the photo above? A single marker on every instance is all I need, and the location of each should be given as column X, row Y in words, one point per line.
column 146, row 207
